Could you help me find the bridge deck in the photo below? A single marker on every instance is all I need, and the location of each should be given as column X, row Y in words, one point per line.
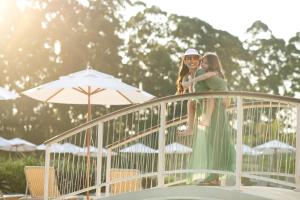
column 210, row 193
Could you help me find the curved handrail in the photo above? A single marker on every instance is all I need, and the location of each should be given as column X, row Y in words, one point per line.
column 166, row 99
column 146, row 132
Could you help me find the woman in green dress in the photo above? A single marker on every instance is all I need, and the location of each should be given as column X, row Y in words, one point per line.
column 213, row 148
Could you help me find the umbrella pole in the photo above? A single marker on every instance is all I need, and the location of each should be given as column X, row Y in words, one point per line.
column 275, row 158
column 88, row 137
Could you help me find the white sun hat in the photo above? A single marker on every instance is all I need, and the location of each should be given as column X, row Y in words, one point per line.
column 191, row 52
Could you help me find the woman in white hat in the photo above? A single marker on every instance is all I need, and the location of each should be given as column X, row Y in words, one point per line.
column 185, row 83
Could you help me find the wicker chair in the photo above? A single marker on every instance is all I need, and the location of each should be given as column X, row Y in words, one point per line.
column 35, row 183
column 131, row 185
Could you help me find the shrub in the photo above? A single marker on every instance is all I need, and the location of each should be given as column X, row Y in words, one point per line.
column 12, row 177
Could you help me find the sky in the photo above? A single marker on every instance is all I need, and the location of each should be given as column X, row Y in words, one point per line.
column 235, row 16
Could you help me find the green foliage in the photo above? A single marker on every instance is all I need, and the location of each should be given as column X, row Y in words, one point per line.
column 47, row 40
column 12, row 173
column 158, row 40
column 271, row 63
column 54, row 38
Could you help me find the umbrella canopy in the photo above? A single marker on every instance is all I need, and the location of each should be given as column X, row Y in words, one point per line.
column 138, row 148
column 6, row 95
column 247, row 150
column 275, row 146
column 177, row 148
column 19, row 145
column 62, row 148
column 3, row 142
column 88, row 87
column 93, row 151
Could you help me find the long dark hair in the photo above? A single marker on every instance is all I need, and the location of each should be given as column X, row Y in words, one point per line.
column 183, row 71
column 214, row 64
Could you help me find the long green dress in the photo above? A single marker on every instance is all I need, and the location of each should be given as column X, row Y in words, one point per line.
column 213, row 146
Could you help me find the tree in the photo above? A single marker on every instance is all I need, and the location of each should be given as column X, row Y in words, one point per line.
column 157, row 40
column 291, row 71
column 269, row 59
column 48, row 39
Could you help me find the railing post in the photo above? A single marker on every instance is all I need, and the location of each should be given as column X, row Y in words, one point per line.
column 239, row 143
column 108, row 166
column 161, row 145
column 46, row 175
column 99, row 159
column 297, row 164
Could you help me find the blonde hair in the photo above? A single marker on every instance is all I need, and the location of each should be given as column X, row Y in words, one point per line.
column 183, row 71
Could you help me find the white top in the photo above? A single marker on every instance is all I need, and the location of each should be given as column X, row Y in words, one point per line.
column 189, row 77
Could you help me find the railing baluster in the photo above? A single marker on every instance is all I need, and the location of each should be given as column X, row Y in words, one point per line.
column 46, row 175
column 297, row 167
column 99, row 159
column 239, row 143
column 108, row 166
column 161, row 145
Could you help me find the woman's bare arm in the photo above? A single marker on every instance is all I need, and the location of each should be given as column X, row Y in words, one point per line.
column 202, row 77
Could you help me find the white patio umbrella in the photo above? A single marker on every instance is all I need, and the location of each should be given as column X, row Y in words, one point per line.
column 138, row 148
column 62, row 148
column 275, row 146
column 42, row 147
column 247, row 150
column 19, row 145
column 88, row 87
column 177, row 148
column 93, row 151
column 3, row 142
column 6, row 95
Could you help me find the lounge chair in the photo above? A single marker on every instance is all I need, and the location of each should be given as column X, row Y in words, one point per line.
column 35, row 183
column 131, row 185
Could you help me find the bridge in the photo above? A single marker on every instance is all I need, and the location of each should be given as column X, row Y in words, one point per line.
column 136, row 152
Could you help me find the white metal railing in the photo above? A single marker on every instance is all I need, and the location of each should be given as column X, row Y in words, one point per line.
column 138, row 147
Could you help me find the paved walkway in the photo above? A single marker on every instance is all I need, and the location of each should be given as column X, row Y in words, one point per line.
column 210, row 193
